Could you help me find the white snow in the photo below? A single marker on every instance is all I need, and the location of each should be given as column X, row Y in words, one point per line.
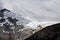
column 35, row 24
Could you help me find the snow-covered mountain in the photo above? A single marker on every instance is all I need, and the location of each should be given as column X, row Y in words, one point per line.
column 11, row 22
column 5, row 14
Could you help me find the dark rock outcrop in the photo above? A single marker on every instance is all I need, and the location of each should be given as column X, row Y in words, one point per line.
column 12, row 20
column 6, row 27
column 49, row 33
column 2, row 12
column 2, row 20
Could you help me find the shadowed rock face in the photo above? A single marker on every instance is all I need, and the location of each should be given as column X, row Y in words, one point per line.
column 49, row 33
column 12, row 20
column 2, row 20
column 2, row 12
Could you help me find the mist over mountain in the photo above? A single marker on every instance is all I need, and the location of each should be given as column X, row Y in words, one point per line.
column 33, row 10
column 43, row 10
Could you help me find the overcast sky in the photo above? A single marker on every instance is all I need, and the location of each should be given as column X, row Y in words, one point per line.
column 40, row 10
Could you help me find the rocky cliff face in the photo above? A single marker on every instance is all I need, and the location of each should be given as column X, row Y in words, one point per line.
column 8, row 19
column 9, row 29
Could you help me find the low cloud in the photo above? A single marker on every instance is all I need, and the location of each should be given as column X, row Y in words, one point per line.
column 46, row 10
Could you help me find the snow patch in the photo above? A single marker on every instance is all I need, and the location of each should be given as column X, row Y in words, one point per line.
column 35, row 24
